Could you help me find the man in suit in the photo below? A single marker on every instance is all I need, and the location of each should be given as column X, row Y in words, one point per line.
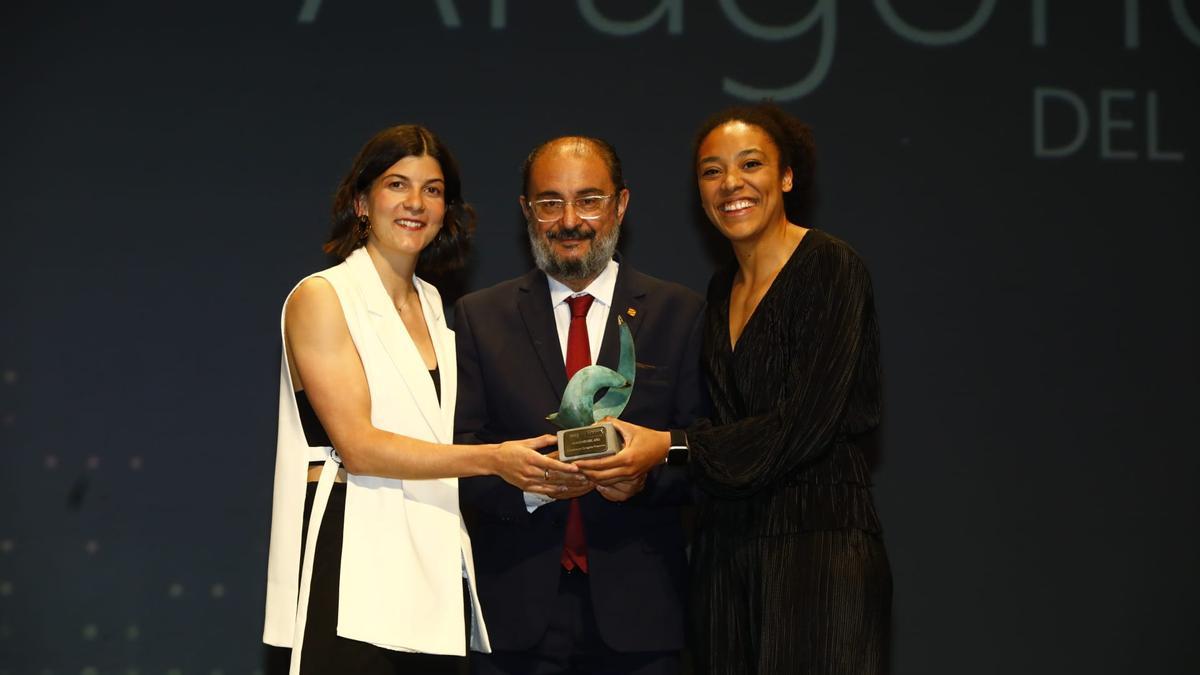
column 593, row 581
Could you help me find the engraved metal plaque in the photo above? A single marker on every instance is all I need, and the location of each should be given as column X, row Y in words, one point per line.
column 600, row 440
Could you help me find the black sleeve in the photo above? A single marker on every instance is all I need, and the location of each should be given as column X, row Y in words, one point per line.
column 670, row 485
column 470, row 409
column 489, row 494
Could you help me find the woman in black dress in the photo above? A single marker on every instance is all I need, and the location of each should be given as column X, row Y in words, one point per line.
column 790, row 573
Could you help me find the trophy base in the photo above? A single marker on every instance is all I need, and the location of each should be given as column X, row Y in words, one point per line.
column 600, row 440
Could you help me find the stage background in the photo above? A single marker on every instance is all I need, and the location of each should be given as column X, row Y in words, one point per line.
column 1021, row 178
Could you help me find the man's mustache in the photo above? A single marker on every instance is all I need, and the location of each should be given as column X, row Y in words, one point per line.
column 571, row 233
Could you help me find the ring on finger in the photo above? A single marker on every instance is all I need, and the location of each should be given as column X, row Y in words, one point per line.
column 547, row 474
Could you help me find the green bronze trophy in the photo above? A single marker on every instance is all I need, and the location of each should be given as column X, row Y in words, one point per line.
column 581, row 437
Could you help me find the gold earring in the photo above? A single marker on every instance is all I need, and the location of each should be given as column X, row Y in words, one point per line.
column 364, row 227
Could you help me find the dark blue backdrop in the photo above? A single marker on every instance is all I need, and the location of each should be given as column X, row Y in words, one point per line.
column 1021, row 178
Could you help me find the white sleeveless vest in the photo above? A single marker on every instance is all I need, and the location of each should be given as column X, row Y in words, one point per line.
column 405, row 545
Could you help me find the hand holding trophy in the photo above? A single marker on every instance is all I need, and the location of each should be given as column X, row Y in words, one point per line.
column 581, row 437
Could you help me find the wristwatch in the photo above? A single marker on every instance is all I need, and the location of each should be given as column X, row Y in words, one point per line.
column 677, row 452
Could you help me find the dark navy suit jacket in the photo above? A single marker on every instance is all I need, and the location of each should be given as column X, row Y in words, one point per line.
column 510, row 376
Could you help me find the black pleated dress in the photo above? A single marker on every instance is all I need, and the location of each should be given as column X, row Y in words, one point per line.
column 790, row 573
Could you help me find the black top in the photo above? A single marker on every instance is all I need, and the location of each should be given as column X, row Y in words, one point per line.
column 437, row 383
column 779, row 454
column 314, row 431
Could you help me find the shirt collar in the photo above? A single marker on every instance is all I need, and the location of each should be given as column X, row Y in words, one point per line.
column 601, row 288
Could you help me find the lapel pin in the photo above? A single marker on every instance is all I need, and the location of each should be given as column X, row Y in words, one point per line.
column 631, row 311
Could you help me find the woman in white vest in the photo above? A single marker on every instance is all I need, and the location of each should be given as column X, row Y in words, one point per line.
column 370, row 565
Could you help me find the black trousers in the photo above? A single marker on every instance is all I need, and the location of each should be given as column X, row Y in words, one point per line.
column 572, row 644
column 324, row 651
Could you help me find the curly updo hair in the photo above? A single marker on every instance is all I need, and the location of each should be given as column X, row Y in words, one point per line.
column 792, row 138
column 449, row 248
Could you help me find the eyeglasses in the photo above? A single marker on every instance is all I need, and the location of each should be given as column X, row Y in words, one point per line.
column 588, row 208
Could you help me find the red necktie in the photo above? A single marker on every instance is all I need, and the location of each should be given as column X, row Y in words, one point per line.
column 579, row 354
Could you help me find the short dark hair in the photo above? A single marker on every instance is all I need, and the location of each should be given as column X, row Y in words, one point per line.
column 792, row 138
column 449, row 249
column 602, row 147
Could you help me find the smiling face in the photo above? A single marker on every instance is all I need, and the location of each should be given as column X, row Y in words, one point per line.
column 405, row 205
column 572, row 249
column 742, row 181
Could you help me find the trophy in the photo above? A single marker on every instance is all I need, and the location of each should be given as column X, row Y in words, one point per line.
column 581, row 437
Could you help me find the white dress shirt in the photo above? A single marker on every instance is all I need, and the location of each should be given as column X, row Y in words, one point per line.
column 601, row 289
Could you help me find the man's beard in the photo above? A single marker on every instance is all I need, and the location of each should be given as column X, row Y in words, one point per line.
column 575, row 269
